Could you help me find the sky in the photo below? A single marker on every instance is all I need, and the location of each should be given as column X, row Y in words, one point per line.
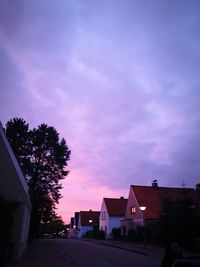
column 118, row 79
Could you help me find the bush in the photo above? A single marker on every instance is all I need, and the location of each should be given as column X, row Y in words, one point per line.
column 132, row 236
column 116, row 233
column 89, row 234
column 140, row 233
column 101, row 234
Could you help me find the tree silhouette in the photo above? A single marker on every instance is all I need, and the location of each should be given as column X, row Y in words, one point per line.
column 43, row 158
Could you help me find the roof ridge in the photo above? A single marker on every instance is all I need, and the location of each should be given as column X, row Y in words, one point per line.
column 162, row 187
column 115, row 198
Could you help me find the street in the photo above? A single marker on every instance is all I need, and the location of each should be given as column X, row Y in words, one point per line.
column 72, row 253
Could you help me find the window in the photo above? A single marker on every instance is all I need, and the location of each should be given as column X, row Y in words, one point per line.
column 103, row 215
column 133, row 210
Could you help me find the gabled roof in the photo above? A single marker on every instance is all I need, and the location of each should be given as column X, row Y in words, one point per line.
column 151, row 197
column 85, row 216
column 116, row 206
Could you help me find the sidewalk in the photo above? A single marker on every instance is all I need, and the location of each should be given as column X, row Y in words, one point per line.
column 151, row 251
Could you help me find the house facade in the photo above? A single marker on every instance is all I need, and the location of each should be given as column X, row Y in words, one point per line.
column 112, row 212
column 145, row 203
column 73, row 230
column 87, row 221
column 14, row 188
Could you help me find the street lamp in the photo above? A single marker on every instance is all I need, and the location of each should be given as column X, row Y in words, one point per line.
column 143, row 208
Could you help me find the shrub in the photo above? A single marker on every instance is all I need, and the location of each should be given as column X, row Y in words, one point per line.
column 101, row 234
column 116, row 233
column 132, row 235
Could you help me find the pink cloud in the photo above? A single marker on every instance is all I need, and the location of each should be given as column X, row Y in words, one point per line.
column 79, row 194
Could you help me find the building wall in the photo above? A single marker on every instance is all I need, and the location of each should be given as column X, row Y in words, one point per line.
column 114, row 221
column 10, row 172
column 82, row 230
column 13, row 187
column 104, row 219
column 137, row 217
column 20, row 230
column 106, row 222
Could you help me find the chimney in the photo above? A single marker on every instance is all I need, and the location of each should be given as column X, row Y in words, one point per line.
column 155, row 184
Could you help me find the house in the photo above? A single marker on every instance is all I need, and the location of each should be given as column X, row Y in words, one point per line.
column 71, row 228
column 14, row 188
column 112, row 212
column 76, row 220
column 145, row 203
column 73, row 231
column 88, row 221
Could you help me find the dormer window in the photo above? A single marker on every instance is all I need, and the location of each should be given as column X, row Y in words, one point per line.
column 133, row 210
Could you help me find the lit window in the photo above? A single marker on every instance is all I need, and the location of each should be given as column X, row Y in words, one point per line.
column 133, row 210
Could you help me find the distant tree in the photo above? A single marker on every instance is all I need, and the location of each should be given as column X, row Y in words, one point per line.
column 43, row 159
column 54, row 228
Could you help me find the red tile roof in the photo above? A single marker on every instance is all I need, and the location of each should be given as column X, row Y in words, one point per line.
column 116, row 206
column 85, row 216
column 151, row 198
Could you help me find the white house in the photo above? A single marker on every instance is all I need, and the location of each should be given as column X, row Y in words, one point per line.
column 112, row 212
column 13, row 187
column 87, row 221
column 73, row 229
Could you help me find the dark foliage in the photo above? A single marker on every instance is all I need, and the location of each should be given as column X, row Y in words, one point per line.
column 180, row 222
column 43, row 159
column 132, row 235
column 101, row 234
column 95, row 234
column 116, row 233
column 54, row 228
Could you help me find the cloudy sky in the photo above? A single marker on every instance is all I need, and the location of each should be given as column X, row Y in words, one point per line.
column 118, row 79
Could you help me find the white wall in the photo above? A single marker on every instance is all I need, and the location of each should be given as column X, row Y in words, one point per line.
column 132, row 202
column 115, row 221
column 13, row 186
column 20, row 230
column 110, row 221
column 104, row 223
column 13, row 183
column 83, row 230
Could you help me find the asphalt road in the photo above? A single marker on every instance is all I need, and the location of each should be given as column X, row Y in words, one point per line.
column 88, row 254
column 77, row 253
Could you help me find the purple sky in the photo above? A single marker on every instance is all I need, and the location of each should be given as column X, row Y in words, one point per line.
column 119, row 80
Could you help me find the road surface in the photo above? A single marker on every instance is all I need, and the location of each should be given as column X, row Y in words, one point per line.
column 77, row 253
